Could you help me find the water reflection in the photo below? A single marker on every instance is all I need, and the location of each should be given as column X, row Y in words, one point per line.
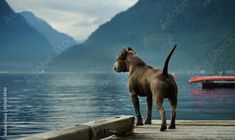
column 213, row 103
column 211, row 91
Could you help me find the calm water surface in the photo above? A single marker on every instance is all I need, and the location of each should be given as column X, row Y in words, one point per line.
column 50, row 101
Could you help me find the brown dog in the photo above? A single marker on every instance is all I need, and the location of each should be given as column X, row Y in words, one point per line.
column 144, row 80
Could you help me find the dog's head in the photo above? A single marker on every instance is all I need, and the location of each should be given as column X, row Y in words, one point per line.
column 121, row 63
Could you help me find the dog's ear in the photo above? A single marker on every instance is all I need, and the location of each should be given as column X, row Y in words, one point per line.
column 123, row 51
column 131, row 50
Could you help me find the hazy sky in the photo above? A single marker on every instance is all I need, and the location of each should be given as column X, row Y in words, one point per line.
column 78, row 18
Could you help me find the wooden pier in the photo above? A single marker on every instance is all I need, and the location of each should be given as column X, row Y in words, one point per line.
column 185, row 130
column 122, row 128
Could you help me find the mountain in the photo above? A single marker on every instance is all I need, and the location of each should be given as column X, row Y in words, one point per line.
column 53, row 36
column 151, row 27
column 20, row 44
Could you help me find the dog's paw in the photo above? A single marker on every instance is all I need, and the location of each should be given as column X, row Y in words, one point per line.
column 163, row 128
column 171, row 127
column 148, row 121
column 139, row 123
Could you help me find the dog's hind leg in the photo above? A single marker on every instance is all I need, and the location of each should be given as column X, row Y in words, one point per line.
column 149, row 110
column 159, row 105
column 163, row 117
column 135, row 102
column 173, row 103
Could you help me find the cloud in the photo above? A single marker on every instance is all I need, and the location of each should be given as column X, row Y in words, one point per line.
column 78, row 18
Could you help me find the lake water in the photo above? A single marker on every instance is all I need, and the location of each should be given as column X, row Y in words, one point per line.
column 46, row 102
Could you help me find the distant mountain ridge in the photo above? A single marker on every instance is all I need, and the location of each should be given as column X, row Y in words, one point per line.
column 151, row 27
column 22, row 46
column 53, row 36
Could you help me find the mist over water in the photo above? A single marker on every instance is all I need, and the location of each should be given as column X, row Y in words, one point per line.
column 60, row 100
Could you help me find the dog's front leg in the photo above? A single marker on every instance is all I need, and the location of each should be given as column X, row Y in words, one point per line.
column 149, row 110
column 135, row 102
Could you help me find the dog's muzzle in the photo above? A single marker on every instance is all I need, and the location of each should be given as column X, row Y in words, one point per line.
column 115, row 67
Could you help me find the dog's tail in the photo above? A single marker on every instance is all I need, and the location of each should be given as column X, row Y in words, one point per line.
column 165, row 69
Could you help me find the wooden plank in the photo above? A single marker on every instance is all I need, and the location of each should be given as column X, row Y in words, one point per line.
column 120, row 126
column 186, row 129
column 201, row 122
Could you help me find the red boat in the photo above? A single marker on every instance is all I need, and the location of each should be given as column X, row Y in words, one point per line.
column 211, row 78
column 214, row 81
